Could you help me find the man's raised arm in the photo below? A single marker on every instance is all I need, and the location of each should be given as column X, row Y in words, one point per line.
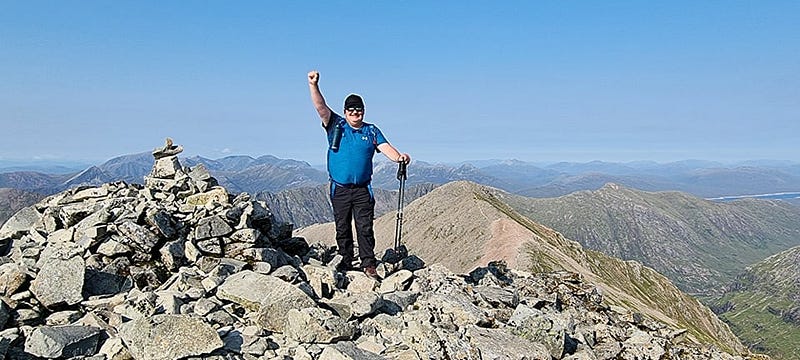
column 316, row 97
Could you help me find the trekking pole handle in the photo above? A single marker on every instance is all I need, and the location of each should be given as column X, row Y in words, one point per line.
column 401, row 171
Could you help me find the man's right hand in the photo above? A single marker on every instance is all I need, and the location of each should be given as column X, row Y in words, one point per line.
column 313, row 77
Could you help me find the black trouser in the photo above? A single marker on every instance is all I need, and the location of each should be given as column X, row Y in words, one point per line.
column 351, row 202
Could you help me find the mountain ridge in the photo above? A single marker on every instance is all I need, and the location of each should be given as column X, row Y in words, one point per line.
column 460, row 242
column 700, row 244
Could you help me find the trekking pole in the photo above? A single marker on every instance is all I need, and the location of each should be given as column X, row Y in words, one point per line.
column 401, row 175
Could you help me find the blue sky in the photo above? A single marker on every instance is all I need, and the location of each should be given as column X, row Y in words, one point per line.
column 445, row 81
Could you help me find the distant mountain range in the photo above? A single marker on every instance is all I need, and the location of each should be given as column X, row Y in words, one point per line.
column 269, row 173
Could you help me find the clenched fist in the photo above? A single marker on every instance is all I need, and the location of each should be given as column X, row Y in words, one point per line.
column 313, row 77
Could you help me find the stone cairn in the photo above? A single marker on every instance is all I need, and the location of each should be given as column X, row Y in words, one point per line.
column 180, row 269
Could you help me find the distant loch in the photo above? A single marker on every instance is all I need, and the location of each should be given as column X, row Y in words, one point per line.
column 775, row 196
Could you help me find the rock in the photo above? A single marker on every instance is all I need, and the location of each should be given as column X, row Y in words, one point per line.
column 322, row 279
column 19, row 223
column 63, row 317
column 211, row 227
column 496, row 296
column 63, row 341
column 356, row 305
column 90, row 193
column 268, row 296
column 358, row 282
column 114, row 349
column 497, row 344
column 173, row 254
column 166, row 167
column 7, row 337
column 534, row 325
column 169, row 337
column 169, row 149
column 347, row 351
column 162, row 221
column 5, row 313
column 12, row 277
column 398, row 301
column 60, row 281
column 216, row 195
column 397, row 281
column 137, row 237
column 315, row 325
column 113, row 248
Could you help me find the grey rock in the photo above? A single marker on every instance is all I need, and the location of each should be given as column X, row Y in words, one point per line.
column 212, row 227
column 5, row 313
column 322, row 279
column 7, row 337
column 500, row 344
column 167, row 337
column 74, row 213
column 173, row 254
column 166, row 167
column 60, row 281
column 205, row 306
column 247, row 236
column 109, row 280
column 412, row 263
column 137, row 236
column 113, row 248
column 168, row 150
column 315, row 325
column 534, row 325
column 212, row 246
column 347, row 350
column 162, row 221
column 12, row 278
column 20, row 223
column 63, row 341
column 287, row 273
column 168, row 302
column 199, row 173
column 396, row 282
column 90, row 193
column 266, row 295
column 221, row 317
column 275, row 257
column 63, row 317
column 114, row 349
column 355, row 306
column 496, row 296
column 398, row 301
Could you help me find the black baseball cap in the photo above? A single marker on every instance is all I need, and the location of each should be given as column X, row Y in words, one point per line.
column 353, row 101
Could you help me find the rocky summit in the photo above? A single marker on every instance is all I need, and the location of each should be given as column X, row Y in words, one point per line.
column 178, row 268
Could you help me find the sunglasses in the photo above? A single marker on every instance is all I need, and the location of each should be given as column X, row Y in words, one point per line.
column 355, row 109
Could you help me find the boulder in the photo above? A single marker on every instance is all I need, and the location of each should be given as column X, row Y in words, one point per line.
column 20, row 223
column 271, row 298
column 315, row 325
column 63, row 341
column 167, row 337
column 60, row 281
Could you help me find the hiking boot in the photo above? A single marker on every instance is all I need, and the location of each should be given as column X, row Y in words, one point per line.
column 371, row 272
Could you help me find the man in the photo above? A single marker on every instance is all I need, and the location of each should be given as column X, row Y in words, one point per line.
column 351, row 145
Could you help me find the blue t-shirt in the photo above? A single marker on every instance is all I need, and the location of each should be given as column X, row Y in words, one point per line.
column 352, row 163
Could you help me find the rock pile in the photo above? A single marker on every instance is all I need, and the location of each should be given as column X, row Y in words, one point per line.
column 180, row 269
